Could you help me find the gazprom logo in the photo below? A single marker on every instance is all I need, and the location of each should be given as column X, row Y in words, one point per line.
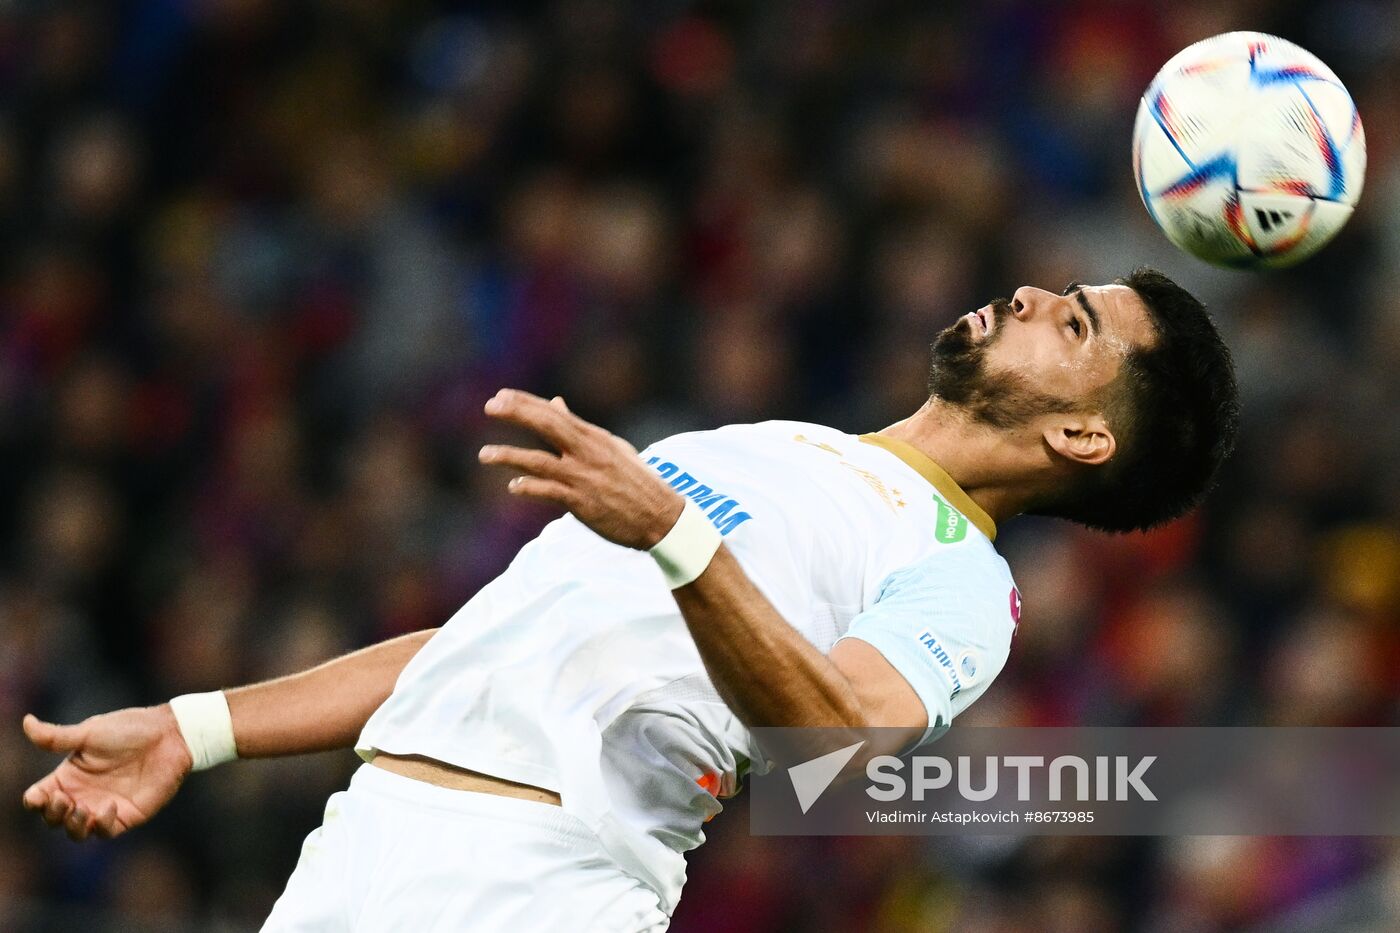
column 718, row 507
column 950, row 526
column 941, row 656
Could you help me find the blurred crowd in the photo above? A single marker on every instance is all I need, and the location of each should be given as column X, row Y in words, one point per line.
column 261, row 263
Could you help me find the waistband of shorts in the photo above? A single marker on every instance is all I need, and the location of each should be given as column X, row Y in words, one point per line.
column 381, row 783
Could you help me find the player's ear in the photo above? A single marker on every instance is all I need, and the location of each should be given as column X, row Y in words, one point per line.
column 1083, row 439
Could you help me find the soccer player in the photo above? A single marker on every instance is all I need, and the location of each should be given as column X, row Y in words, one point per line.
column 543, row 761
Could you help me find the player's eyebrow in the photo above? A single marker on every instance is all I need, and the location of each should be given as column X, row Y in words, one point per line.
column 1077, row 289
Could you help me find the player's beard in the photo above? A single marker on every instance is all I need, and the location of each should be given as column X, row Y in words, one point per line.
column 961, row 377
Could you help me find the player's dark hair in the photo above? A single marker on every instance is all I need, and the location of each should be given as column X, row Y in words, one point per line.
column 1174, row 411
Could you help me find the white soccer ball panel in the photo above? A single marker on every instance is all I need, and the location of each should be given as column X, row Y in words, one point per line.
column 1205, row 221
column 1156, row 162
column 1326, row 218
column 1334, row 107
column 1228, row 46
column 1354, row 164
column 1282, row 147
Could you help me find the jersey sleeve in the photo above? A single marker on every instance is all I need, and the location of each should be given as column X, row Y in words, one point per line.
column 944, row 627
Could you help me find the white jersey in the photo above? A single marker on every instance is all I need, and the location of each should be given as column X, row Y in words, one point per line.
column 574, row 670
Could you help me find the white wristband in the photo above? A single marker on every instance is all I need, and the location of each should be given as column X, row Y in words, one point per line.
column 207, row 727
column 688, row 547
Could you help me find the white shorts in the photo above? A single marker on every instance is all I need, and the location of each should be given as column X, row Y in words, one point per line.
column 396, row 854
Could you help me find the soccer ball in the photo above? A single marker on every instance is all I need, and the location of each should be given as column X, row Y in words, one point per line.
column 1248, row 151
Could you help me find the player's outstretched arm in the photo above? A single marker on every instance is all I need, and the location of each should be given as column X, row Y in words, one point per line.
column 122, row 767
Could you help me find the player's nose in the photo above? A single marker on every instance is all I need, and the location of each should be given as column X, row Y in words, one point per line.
column 1029, row 302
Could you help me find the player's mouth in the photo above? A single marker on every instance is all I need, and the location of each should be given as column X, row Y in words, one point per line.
column 982, row 321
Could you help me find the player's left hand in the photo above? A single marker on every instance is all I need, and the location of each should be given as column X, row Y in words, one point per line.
column 594, row 474
column 122, row 767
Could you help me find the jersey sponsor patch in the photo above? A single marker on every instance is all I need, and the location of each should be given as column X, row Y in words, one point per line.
column 930, row 643
column 950, row 526
column 718, row 507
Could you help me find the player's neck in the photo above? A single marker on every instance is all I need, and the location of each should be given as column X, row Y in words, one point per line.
column 978, row 457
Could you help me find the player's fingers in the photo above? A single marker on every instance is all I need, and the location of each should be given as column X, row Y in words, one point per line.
column 56, row 810
column 558, row 402
column 35, row 797
column 52, row 737
column 76, row 826
column 534, row 462
column 538, row 488
column 106, row 826
column 53, row 811
column 530, row 411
